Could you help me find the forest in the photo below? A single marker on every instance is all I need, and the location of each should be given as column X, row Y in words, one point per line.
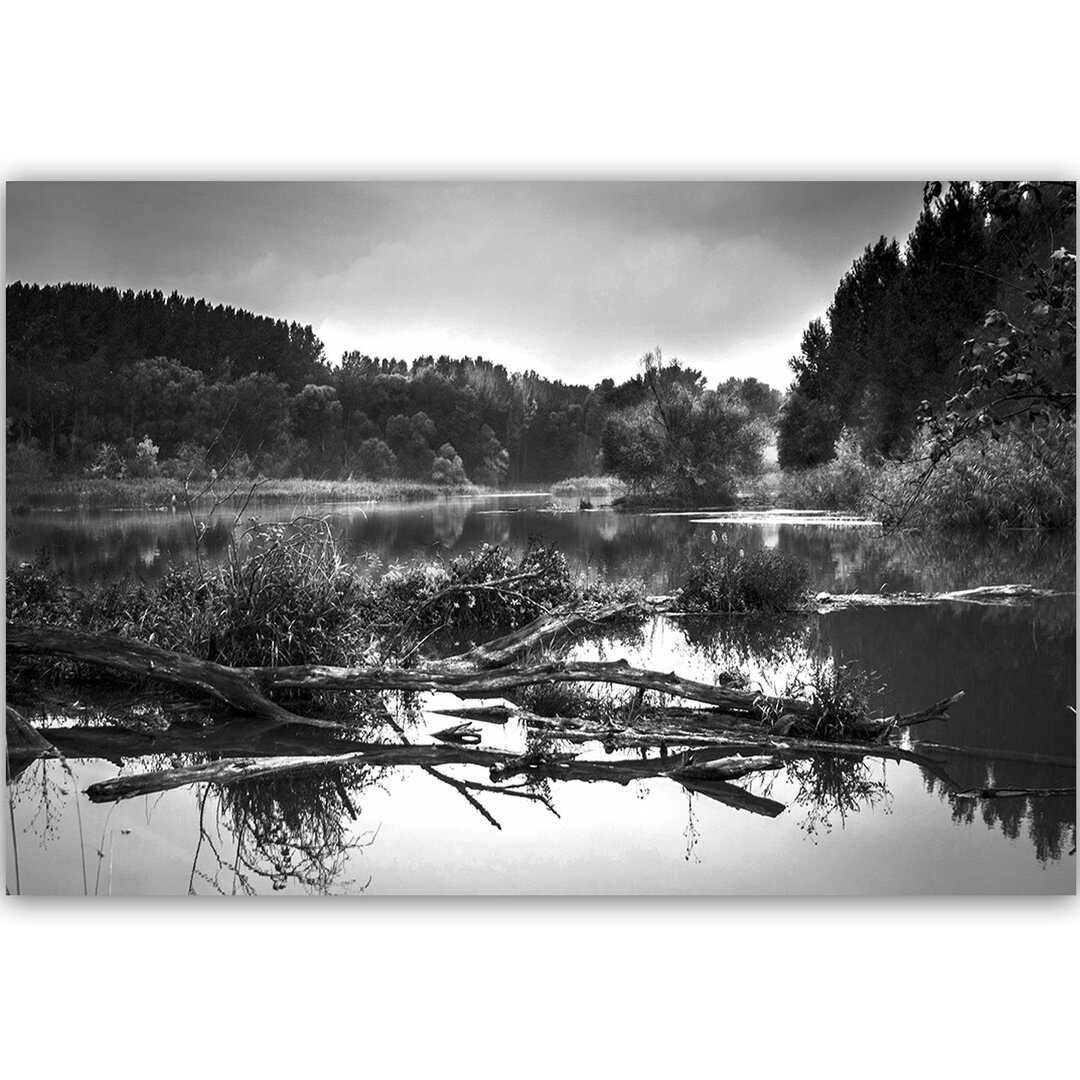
column 895, row 332
column 122, row 384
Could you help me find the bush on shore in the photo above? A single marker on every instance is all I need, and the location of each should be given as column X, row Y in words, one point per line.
column 1024, row 480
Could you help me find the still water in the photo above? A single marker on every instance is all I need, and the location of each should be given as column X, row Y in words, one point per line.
column 870, row 827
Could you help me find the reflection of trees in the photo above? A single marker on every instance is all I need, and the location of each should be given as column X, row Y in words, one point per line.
column 832, row 787
column 862, row 560
column 1051, row 821
column 291, row 829
column 448, row 521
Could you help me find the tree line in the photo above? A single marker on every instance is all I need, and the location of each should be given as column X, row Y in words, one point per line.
column 127, row 384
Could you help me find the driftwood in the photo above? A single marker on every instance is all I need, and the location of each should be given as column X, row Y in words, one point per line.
column 987, row 595
column 229, row 685
column 501, row 763
column 246, row 689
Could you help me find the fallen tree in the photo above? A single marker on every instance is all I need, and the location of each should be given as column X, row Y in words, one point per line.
column 248, row 689
column 985, row 595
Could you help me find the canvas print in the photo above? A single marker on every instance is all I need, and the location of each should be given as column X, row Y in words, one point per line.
column 475, row 537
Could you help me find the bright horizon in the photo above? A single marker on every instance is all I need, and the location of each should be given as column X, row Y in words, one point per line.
column 573, row 280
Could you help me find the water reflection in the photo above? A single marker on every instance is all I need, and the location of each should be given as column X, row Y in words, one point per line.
column 287, row 830
column 94, row 543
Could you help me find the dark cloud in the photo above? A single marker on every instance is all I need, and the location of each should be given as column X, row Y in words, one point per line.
column 574, row 279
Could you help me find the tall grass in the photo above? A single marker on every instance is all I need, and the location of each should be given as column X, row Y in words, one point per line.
column 287, row 596
column 165, row 491
column 845, row 483
column 733, row 581
column 1025, row 480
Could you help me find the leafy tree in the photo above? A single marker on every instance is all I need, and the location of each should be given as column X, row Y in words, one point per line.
column 374, row 459
column 448, row 468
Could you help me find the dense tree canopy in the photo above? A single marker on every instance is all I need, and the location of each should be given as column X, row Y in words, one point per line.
column 901, row 320
column 94, row 373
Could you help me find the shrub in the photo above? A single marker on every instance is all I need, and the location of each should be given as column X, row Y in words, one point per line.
column 844, row 483
column 729, row 581
column 1024, row 479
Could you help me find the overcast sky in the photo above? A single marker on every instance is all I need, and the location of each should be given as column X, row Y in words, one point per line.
column 575, row 280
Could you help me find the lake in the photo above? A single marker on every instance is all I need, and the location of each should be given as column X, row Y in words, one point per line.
column 842, row 827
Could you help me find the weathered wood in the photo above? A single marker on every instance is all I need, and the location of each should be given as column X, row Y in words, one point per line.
column 554, row 629
column 488, row 714
column 494, row 682
column 501, row 764
column 230, row 685
column 247, row 689
column 459, row 733
column 989, row 595
column 23, row 739
column 251, row 739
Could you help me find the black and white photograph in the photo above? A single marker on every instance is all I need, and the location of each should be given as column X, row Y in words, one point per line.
column 511, row 537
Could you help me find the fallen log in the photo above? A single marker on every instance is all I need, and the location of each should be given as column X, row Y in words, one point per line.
column 556, row 628
column 229, row 685
column 248, row 689
column 988, row 595
column 249, row 739
column 733, row 795
column 446, row 675
column 500, row 763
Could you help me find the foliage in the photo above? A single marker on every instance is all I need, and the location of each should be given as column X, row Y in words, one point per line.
column 682, row 441
column 1021, row 364
column 89, row 366
column 844, row 483
column 605, row 486
column 843, row 694
column 1026, row 478
column 448, row 470
column 900, row 320
column 725, row 580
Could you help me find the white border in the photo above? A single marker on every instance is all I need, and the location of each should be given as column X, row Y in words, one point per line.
column 796, row 91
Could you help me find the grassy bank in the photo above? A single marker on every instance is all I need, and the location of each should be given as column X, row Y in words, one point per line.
column 1025, row 480
column 164, row 491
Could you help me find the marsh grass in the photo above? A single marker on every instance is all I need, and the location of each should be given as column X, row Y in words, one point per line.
column 167, row 491
column 1024, row 480
column 845, row 483
column 726, row 580
column 287, row 596
column 844, row 695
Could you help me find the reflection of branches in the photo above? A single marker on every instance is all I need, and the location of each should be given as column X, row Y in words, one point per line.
column 734, row 641
column 831, row 785
column 691, row 832
column 286, row 829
